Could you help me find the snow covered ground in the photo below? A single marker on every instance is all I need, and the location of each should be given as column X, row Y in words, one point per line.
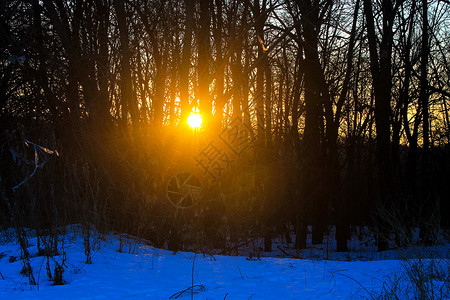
column 123, row 268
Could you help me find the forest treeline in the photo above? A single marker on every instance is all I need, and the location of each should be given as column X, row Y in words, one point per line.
column 348, row 102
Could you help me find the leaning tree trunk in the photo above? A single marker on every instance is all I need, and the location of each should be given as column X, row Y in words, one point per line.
column 341, row 204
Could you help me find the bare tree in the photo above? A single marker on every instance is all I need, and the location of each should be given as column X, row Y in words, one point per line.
column 204, row 54
column 381, row 64
column 186, row 59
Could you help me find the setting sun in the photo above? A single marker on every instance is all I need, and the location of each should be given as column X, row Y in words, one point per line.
column 195, row 120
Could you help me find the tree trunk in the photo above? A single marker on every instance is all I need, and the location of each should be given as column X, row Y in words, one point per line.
column 259, row 19
column 268, row 105
column 103, row 104
column 186, row 61
column 313, row 189
column 342, row 214
column 425, row 230
column 127, row 96
column 380, row 66
column 204, row 53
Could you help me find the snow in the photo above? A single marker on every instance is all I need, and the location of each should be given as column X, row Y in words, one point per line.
column 126, row 268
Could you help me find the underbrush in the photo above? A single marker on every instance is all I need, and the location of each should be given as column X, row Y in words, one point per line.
column 418, row 278
column 424, row 273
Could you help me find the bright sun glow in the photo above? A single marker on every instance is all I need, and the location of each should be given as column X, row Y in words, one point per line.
column 195, row 120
